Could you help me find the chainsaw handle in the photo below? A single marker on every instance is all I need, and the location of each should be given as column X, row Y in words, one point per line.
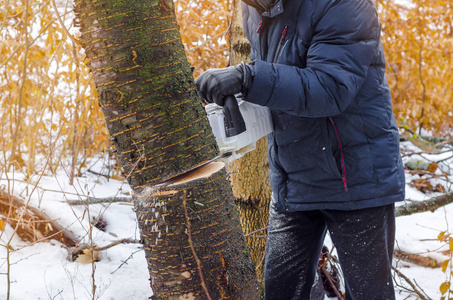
column 233, row 121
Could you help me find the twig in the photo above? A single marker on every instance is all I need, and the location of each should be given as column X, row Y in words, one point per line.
column 21, row 93
column 444, row 159
column 329, row 256
column 122, row 241
column 329, row 278
column 421, row 290
column 62, row 24
column 93, row 259
column 213, row 38
column 448, row 141
column 125, row 262
column 99, row 174
column 414, row 288
column 91, row 200
column 27, row 45
column 253, row 232
column 41, row 188
column 420, row 67
column 8, row 271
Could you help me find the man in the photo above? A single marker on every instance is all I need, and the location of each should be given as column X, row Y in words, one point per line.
column 334, row 154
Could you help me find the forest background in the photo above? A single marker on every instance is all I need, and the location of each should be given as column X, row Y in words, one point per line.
column 49, row 110
column 49, row 103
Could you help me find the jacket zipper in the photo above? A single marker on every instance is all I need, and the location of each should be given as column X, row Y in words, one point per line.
column 277, row 53
column 259, row 27
column 280, row 44
column 259, row 38
column 343, row 175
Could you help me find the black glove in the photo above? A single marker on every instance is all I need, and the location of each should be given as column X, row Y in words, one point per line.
column 215, row 84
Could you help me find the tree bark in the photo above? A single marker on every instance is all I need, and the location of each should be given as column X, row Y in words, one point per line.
column 191, row 232
column 249, row 175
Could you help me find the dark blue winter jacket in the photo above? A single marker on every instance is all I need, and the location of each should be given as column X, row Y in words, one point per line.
column 319, row 65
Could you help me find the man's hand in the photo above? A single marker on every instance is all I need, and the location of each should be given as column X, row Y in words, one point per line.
column 215, row 84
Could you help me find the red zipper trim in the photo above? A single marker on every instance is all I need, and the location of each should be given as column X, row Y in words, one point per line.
column 259, row 27
column 282, row 40
column 342, row 156
column 280, row 44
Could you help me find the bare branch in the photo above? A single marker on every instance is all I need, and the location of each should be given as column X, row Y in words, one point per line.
column 122, row 241
column 62, row 25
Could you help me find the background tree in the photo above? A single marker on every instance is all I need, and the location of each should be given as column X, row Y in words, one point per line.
column 204, row 30
column 48, row 102
column 418, row 43
column 49, row 110
column 249, row 175
column 48, row 97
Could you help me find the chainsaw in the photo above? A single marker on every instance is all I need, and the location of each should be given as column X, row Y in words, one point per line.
column 236, row 126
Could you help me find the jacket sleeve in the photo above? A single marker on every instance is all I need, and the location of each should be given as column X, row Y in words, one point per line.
column 345, row 41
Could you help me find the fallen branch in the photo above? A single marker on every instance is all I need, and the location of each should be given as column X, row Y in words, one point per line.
column 423, row 206
column 435, row 140
column 422, row 172
column 92, row 200
column 416, row 259
column 410, row 153
column 35, row 225
column 330, row 278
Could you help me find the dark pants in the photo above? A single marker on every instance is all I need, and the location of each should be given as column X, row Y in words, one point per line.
column 364, row 241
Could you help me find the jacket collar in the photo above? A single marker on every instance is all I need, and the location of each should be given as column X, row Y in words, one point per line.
column 267, row 8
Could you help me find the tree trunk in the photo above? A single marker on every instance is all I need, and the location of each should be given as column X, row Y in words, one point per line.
column 191, row 232
column 249, row 175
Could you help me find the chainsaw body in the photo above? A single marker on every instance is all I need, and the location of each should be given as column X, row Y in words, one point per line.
column 228, row 127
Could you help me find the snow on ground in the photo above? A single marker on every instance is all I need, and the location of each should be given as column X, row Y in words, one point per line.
column 418, row 234
column 42, row 271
